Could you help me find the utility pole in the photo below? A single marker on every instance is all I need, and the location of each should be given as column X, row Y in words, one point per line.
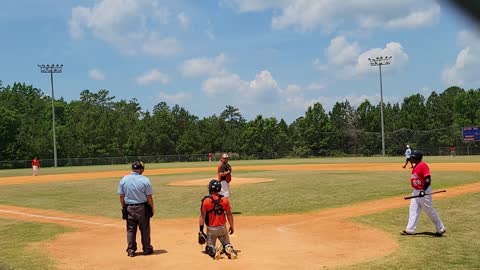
column 52, row 69
column 380, row 61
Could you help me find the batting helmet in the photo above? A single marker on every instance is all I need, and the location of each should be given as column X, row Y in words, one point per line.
column 225, row 155
column 136, row 165
column 214, row 186
column 417, row 155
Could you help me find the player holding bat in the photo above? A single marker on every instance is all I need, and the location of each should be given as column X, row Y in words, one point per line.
column 421, row 183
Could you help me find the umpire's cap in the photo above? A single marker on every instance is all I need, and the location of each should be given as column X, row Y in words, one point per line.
column 136, row 165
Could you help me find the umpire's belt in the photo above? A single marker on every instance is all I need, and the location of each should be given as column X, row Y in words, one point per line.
column 136, row 204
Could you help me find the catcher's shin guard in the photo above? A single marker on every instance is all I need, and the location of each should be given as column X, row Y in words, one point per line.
column 218, row 252
column 230, row 251
column 210, row 250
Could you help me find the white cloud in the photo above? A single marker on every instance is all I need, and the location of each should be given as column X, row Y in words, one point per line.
column 331, row 14
column 263, row 81
column 394, row 49
column 160, row 47
column 125, row 24
column 184, row 20
column 341, row 53
column 202, row 66
column 467, row 38
column 177, row 98
column 416, row 19
column 253, row 5
column 96, row 74
column 464, row 72
column 347, row 61
column 315, row 86
column 227, row 84
column 80, row 16
column 152, row 76
column 263, row 89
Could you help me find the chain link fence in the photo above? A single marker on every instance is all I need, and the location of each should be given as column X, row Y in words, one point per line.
column 64, row 162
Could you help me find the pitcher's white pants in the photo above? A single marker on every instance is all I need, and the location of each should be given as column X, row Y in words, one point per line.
column 416, row 206
column 225, row 189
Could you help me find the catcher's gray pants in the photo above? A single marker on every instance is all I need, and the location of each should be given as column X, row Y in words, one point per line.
column 137, row 218
column 416, row 206
column 219, row 232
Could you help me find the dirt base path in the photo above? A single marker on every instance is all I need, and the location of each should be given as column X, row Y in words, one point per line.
column 305, row 241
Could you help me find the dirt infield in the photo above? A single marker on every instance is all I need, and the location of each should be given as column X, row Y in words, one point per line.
column 305, row 241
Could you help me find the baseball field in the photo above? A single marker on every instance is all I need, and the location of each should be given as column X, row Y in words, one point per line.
column 329, row 213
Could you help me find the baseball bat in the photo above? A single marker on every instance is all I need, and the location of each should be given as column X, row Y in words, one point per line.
column 416, row 196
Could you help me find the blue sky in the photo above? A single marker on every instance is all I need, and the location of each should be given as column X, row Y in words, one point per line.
column 268, row 57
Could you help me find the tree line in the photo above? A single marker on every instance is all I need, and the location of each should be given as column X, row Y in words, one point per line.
column 97, row 125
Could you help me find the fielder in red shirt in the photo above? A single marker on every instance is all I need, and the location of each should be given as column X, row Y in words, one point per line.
column 35, row 166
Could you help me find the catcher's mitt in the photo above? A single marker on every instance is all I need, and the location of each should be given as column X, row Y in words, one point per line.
column 202, row 238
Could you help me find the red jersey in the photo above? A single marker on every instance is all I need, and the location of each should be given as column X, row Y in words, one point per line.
column 215, row 219
column 35, row 162
column 419, row 174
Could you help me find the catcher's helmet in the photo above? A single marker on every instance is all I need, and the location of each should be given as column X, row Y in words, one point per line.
column 417, row 155
column 136, row 165
column 214, row 186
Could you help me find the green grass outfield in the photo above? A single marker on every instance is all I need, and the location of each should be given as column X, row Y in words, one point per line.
column 312, row 190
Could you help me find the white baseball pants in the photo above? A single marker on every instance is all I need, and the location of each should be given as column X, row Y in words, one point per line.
column 416, row 206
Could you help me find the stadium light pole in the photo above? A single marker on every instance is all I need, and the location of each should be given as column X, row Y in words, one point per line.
column 380, row 61
column 52, row 69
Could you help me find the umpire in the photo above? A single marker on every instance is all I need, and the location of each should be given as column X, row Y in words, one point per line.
column 135, row 192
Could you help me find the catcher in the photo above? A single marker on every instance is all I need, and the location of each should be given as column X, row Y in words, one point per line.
column 224, row 175
column 214, row 212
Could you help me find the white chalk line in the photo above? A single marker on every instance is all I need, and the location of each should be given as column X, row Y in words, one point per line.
column 60, row 219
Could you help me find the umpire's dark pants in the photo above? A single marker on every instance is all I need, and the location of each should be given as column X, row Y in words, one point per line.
column 137, row 218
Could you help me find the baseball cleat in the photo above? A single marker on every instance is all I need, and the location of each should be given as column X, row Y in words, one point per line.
column 440, row 233
column 231, row 253
column 131, row 254
column 404, row 232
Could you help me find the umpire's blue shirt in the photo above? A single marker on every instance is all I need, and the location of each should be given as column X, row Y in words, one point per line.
column 135, row 187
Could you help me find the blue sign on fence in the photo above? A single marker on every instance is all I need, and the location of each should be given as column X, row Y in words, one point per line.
column 471, row 134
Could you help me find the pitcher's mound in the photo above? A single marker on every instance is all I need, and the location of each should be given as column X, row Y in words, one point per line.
column 236, row 181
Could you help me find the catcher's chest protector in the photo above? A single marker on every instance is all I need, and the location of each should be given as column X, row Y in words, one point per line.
column 217, row 208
